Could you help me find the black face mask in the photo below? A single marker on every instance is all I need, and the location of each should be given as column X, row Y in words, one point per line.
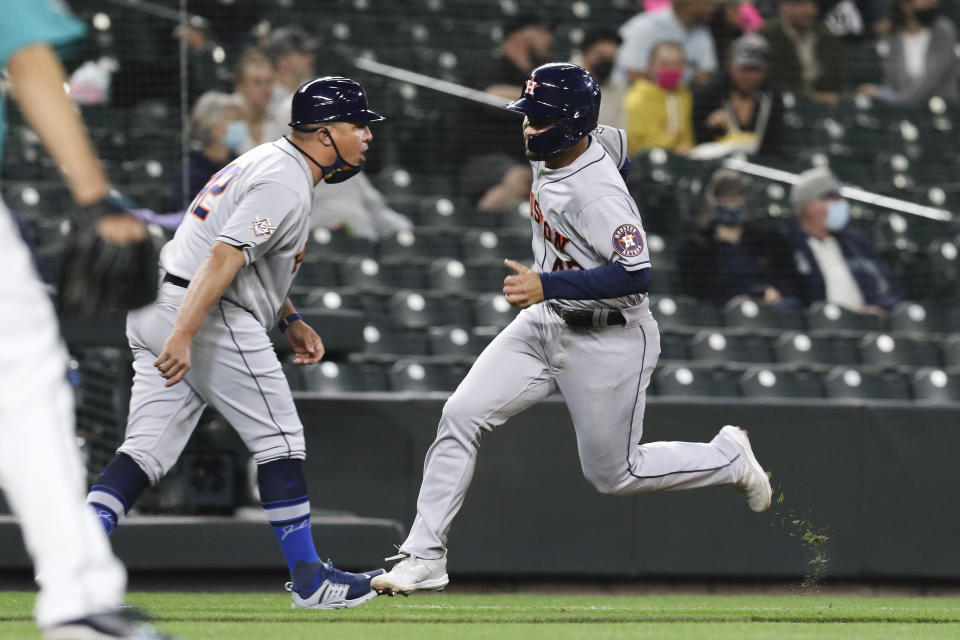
column 729, row 216
column 927, row 17
column 602, row 71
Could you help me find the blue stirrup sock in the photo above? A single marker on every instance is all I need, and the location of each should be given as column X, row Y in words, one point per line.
column 117, row 488
column 283, row 495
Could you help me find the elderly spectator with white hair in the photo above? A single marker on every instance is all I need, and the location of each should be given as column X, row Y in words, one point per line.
column 837, row 264
column 210, row 146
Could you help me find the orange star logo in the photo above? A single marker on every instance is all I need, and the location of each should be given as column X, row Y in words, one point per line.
column 531, row 85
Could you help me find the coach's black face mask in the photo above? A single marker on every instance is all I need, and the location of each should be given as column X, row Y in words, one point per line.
column 340, row 170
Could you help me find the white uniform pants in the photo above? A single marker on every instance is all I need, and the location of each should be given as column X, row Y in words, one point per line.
column 233, row 368
column 40, row 468
column 603, row 375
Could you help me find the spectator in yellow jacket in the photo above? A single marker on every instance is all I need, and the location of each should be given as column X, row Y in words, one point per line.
column 660, row 110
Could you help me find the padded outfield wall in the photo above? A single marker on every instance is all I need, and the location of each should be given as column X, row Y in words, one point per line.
column 879, row 481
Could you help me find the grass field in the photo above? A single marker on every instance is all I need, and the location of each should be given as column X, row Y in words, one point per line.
column 249, row 616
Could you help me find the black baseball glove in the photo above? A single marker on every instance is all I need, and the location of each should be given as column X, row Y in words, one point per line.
column 99, row 278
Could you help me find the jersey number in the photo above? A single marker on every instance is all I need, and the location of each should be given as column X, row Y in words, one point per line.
column 214, row 187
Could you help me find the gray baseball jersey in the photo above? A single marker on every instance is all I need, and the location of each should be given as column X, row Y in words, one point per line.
column 261, row 203
column 583, row 217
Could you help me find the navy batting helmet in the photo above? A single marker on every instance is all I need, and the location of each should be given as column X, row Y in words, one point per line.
column 559, row 90
column 330, row 99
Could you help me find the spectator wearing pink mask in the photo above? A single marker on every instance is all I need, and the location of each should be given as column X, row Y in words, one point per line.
column 660, row 109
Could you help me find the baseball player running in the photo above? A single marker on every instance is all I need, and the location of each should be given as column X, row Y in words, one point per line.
column 585, row 330
column 41, row 473
column 227, row 273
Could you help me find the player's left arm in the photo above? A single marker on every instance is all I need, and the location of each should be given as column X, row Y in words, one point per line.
column 303, row 339
column 613, row 229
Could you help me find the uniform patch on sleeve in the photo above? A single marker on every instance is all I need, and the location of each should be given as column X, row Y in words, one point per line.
column 628, row 241
column 261, row 227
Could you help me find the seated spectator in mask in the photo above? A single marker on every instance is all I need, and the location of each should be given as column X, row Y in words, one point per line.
column 253, row 82
column 805, row 57
column 837, row 264
column 210, row 145
column 738, row 108
column 659, row 111
column 685, row 22
column 731, row 256
column 921, row 60
column 496, row 174
column 597, row 54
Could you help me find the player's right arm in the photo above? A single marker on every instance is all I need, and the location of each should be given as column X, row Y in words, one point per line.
column 213, row 277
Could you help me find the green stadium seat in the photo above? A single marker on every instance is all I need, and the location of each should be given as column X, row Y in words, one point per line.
column 851, row 383
column 935, row 385
column 686, row 381
column 826, row 315
column 422, row 376
column 492, row 310
column 709, row 345
column 332, row 376
column 749, row 314
column 884, row 350
column 384, row 341
column 761, row 382
column 684, row 311
column 803, row 349
column 453, row 341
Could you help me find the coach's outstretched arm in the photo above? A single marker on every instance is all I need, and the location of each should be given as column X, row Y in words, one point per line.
column 213, row 277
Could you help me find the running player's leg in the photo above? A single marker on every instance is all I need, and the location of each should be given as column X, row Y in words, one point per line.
column 160, row 421
column 604, row 382
column 514, row 372
column 41, row 472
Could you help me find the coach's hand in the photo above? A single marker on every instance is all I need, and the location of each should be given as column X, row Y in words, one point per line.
column 305, row 342
column 174, row 360
column 523, row 289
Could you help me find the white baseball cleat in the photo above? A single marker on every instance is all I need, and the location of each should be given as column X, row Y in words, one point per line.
column 412, row 574
column 755, row 482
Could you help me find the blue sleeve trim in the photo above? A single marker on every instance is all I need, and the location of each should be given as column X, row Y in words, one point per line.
column 608, row 281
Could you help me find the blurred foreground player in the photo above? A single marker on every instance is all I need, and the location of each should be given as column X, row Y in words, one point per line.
column 585, row 330
column 81, row 582
column 227, row 273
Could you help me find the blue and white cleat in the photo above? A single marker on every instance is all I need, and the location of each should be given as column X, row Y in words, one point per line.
column 318, row 585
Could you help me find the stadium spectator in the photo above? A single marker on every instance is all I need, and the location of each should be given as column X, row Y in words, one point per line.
column 253, row 82
column 496, row 174
column 806, row 58
column 291, row 50
column 659, row 111
column 732, row 256
column 921, row 61
column 730, row 21
column 836, row 264
column 856, row 20
column 739, row 107
column 685, row 22
column 598, row 54
column 210, row 148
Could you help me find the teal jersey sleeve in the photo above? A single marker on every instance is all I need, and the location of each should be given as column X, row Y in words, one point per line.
column 27, row 22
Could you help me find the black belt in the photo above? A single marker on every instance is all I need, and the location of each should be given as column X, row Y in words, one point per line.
column 597, row 318
column 177, row 280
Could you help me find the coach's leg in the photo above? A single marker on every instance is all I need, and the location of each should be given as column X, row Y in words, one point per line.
column 513, row 373
column 246, row 384
column 160, row 421
column 605, row 382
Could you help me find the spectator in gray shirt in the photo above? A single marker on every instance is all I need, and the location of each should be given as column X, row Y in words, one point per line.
column 920, row 60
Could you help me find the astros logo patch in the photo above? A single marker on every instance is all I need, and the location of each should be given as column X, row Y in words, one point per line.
column 627, row 241
column 531, row 85
column 261, row 227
